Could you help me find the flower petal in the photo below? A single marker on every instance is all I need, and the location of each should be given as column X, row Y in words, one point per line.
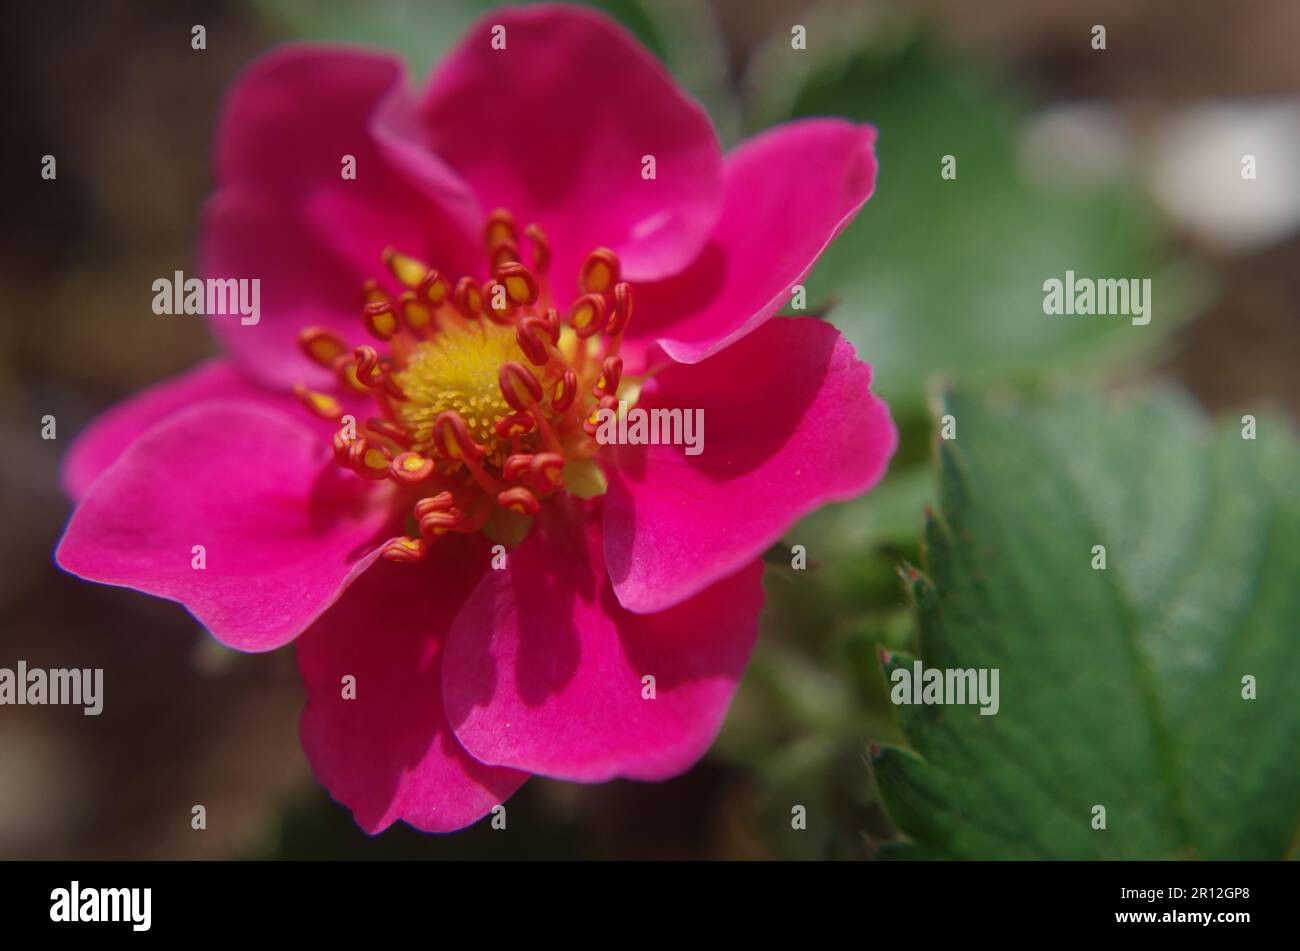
column 284, row 213
column 555, row 127
column 284, row 530
column 388, row 752
column 544, row 670
column 109, row 434
column 789, row 423
column 789, row 192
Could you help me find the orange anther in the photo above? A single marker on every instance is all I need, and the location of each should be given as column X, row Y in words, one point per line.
column 611, row 373
column 622, row 309
column 322, row 345
column 587, row 315
column 599, row 272
column 415, row 313
column 500, row 227
column 519, row 500
column 410, row 468
column 369, row 460
column 517, row 466
column 546, row 471
column 380, row 319
column 322, row 404
column 566, row 388
column 370, row 371
column 468, row 298
column 497, row 304
column 452, row 439
column 515, row 424
column 520, row 285
column 518, row 385
column 434, row 288
column 345, row 368
column 404, row 550
column 405, row 268
column 529, row 334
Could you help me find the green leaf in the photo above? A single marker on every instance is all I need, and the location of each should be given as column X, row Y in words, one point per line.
column 945, row 277
column 1121, row 687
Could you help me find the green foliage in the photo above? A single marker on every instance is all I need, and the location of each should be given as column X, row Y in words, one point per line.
column 943, row 277
column 1120, row 687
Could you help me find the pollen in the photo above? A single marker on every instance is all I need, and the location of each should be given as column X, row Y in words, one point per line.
column 484, row 396
column 458, row 372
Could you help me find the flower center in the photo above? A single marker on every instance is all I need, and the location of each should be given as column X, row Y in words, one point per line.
column 458, row 372
column 486, row 401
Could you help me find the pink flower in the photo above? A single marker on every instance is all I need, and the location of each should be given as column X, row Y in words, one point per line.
column 475, row 406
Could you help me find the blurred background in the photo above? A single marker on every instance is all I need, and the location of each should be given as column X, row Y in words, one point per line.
column 1113, row 160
